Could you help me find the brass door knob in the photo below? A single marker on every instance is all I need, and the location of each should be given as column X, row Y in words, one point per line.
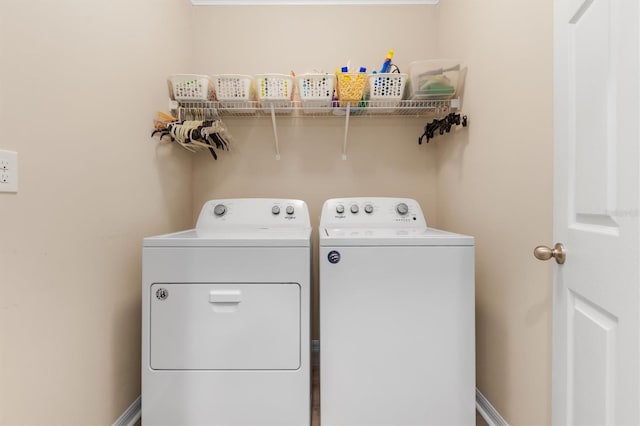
column 558, row 252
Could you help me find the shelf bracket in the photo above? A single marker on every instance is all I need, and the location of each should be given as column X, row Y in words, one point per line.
column 346, row 131
column 275, row 132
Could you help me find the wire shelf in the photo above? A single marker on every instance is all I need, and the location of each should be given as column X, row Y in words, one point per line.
column 199, row 110
column 417, row 108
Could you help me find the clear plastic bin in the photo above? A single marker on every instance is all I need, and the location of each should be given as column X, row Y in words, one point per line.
column 434, row 79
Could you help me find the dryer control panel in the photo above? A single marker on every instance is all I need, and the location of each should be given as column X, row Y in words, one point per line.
column 253, row 213
column 374, row 212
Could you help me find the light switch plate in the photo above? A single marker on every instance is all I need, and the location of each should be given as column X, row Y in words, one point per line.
column 8, row 171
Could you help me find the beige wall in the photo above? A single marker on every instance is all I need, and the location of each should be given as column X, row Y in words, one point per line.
column 91, row 74
column 495, row 182
column 383, row 156
column 492, row 181
column 79, row 84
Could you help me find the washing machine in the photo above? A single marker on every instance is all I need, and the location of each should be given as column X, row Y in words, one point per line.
column 226, row 317
column 397, row 326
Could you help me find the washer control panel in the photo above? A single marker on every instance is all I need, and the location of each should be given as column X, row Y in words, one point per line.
column 253, row 212
column 372, row 212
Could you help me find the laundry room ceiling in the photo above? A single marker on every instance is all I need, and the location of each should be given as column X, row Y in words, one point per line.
column 306, row 2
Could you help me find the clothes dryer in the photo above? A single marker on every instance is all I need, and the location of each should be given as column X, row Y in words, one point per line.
column 226, row 317
column 397, row 326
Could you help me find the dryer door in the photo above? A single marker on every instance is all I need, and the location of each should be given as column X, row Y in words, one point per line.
column 252, row 326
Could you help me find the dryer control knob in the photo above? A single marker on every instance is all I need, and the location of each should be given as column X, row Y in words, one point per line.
column 219, row 210
column 275, row 210
column 354, row 208
column 368, row 209
column 402, row 209
column 290, row 210
column 339, row 209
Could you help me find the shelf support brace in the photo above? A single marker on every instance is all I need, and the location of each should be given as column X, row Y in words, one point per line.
column 275, row 132
column 346, row 131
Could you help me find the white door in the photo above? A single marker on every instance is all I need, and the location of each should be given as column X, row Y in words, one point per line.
column 596, row 296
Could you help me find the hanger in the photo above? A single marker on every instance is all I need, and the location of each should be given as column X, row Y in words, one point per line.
column 195, row 128
column 442, row 126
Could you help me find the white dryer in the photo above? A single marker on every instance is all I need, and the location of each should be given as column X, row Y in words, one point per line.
column 397, row 326
column 226, row 317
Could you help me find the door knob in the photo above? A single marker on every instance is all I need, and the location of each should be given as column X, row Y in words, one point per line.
column 545, row 253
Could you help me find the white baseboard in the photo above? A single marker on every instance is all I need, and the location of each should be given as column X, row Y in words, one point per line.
column 131, row 415
column 488, row 412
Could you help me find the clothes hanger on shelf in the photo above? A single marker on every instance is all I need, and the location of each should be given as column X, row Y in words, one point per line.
column 194, row 129
column 442, row 126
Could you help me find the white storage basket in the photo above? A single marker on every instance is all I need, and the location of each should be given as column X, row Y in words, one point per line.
column 316, row 91
column 233, row 87
column 191, row 87
column 235, row 92
column 386, row 91
column 274, row 88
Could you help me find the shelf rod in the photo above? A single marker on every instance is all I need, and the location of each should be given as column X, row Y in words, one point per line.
column 275, row 132
column 346, row 131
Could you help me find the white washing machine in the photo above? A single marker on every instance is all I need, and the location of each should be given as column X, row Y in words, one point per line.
column 226, row 317
column 397, row 326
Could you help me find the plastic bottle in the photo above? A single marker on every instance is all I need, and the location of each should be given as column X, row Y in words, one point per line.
column 387, row 62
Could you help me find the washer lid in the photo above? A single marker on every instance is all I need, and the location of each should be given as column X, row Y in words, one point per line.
column 237, row 237
column 392, row 237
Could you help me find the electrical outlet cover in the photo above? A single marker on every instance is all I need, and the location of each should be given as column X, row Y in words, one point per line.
column 8, row 171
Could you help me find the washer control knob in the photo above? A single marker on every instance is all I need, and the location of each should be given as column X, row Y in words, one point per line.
column 275, row 210
column 354, row 208
column 339, row 209
column 402, row 209
column 290, row 210
column 219, row 210
column 368, row 209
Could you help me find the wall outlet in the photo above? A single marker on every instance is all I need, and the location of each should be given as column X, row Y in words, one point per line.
column 8, row 171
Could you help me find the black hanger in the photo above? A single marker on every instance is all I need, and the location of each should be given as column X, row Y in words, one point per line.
column 442, row 126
